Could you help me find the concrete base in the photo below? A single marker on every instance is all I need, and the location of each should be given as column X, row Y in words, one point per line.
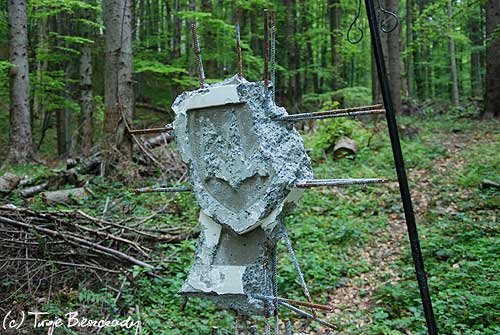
column 230, row 269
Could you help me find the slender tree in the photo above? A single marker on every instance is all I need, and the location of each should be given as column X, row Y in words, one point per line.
column 86, row 129
column 476, row 53
column 335, row 36
column 453, row 61
column 492, row 84
column 394, row 58
column 409, row 46
column 21, row 142
column 118, row 86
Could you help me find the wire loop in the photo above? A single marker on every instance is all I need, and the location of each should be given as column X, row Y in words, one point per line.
column 349, row 31
column 389, row 20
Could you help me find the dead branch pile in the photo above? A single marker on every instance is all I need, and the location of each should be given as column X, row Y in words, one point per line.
column 31, row 242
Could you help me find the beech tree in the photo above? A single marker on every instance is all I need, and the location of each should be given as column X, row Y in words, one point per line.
column 492, row 85
column 21, row 142
column 86, row 91
column 118, row 85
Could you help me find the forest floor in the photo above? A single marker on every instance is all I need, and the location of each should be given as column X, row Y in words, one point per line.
column 351, row 243
column 358, row 295
column 440, row 191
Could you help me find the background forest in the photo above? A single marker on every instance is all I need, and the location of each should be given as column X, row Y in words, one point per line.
column 436, row 55
column 86, row 85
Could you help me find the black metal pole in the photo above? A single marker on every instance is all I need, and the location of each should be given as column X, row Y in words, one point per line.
column 400, row 169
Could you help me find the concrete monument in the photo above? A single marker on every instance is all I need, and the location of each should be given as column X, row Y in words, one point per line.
column 243, row 167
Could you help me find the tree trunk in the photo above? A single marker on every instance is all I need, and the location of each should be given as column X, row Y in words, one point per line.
column 208, row 42
column 453, row 61
column 176, row 48
column 335, row 36
column 376, row 93
column 476, row 38
column 409, row 42
column 118, row 89
column 394, row 59
column 63, row 113
column 492, row 84
column 86, row 128
column 21, row 142
column 86, row 101
column 39, row 105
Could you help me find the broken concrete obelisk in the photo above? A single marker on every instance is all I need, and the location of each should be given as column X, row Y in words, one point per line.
column 243, row 166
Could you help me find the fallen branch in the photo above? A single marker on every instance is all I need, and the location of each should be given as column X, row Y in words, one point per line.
column 93, row 267
column 34, row 190
column 68, row 237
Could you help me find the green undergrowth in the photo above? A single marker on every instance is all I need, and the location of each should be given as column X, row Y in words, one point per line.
column 330, row 229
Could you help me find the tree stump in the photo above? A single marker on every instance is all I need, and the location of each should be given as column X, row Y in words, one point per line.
column 345, row 147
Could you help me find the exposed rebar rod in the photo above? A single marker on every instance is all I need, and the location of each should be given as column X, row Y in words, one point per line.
column 319, row 115
column 238, row 51
column 165, row 129
column 289, row 328
column 274, row 266
column 296, row 266
column 303, row 184
column 400, row 169
column 339, row 182
column 266, row 48
column 163, row 189
column 197, row 53
column 307, row 315
column 342, row 111
column 273, row 54
column 295, row 302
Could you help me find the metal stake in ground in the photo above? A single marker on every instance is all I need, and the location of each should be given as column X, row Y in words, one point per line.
column 197, row 53
column 400, row 168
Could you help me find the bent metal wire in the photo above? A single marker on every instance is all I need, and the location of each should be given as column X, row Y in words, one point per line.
column 386, row 17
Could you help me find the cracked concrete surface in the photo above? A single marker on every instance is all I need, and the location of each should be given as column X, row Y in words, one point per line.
column 243, row 166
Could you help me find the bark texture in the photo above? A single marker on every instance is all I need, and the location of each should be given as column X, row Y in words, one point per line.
column 335, row 36
column 492, row 84
column 409, row 42
column 21, row 142
column 394, row 59
column 86, row 98
column 477, row 40
column 453, row 61
column 118, row 89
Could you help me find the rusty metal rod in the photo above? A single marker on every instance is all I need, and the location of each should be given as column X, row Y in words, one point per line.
column 238, row 51
column 339, row 182
column 163, row 189
column 197, row 53
column 289, row 328
column 335, row 111
column 146, row 131
column 304, row 184
column 266, row 48
column 320, row 115
column 307, row 315
column 297, row 266
column 296, row 302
